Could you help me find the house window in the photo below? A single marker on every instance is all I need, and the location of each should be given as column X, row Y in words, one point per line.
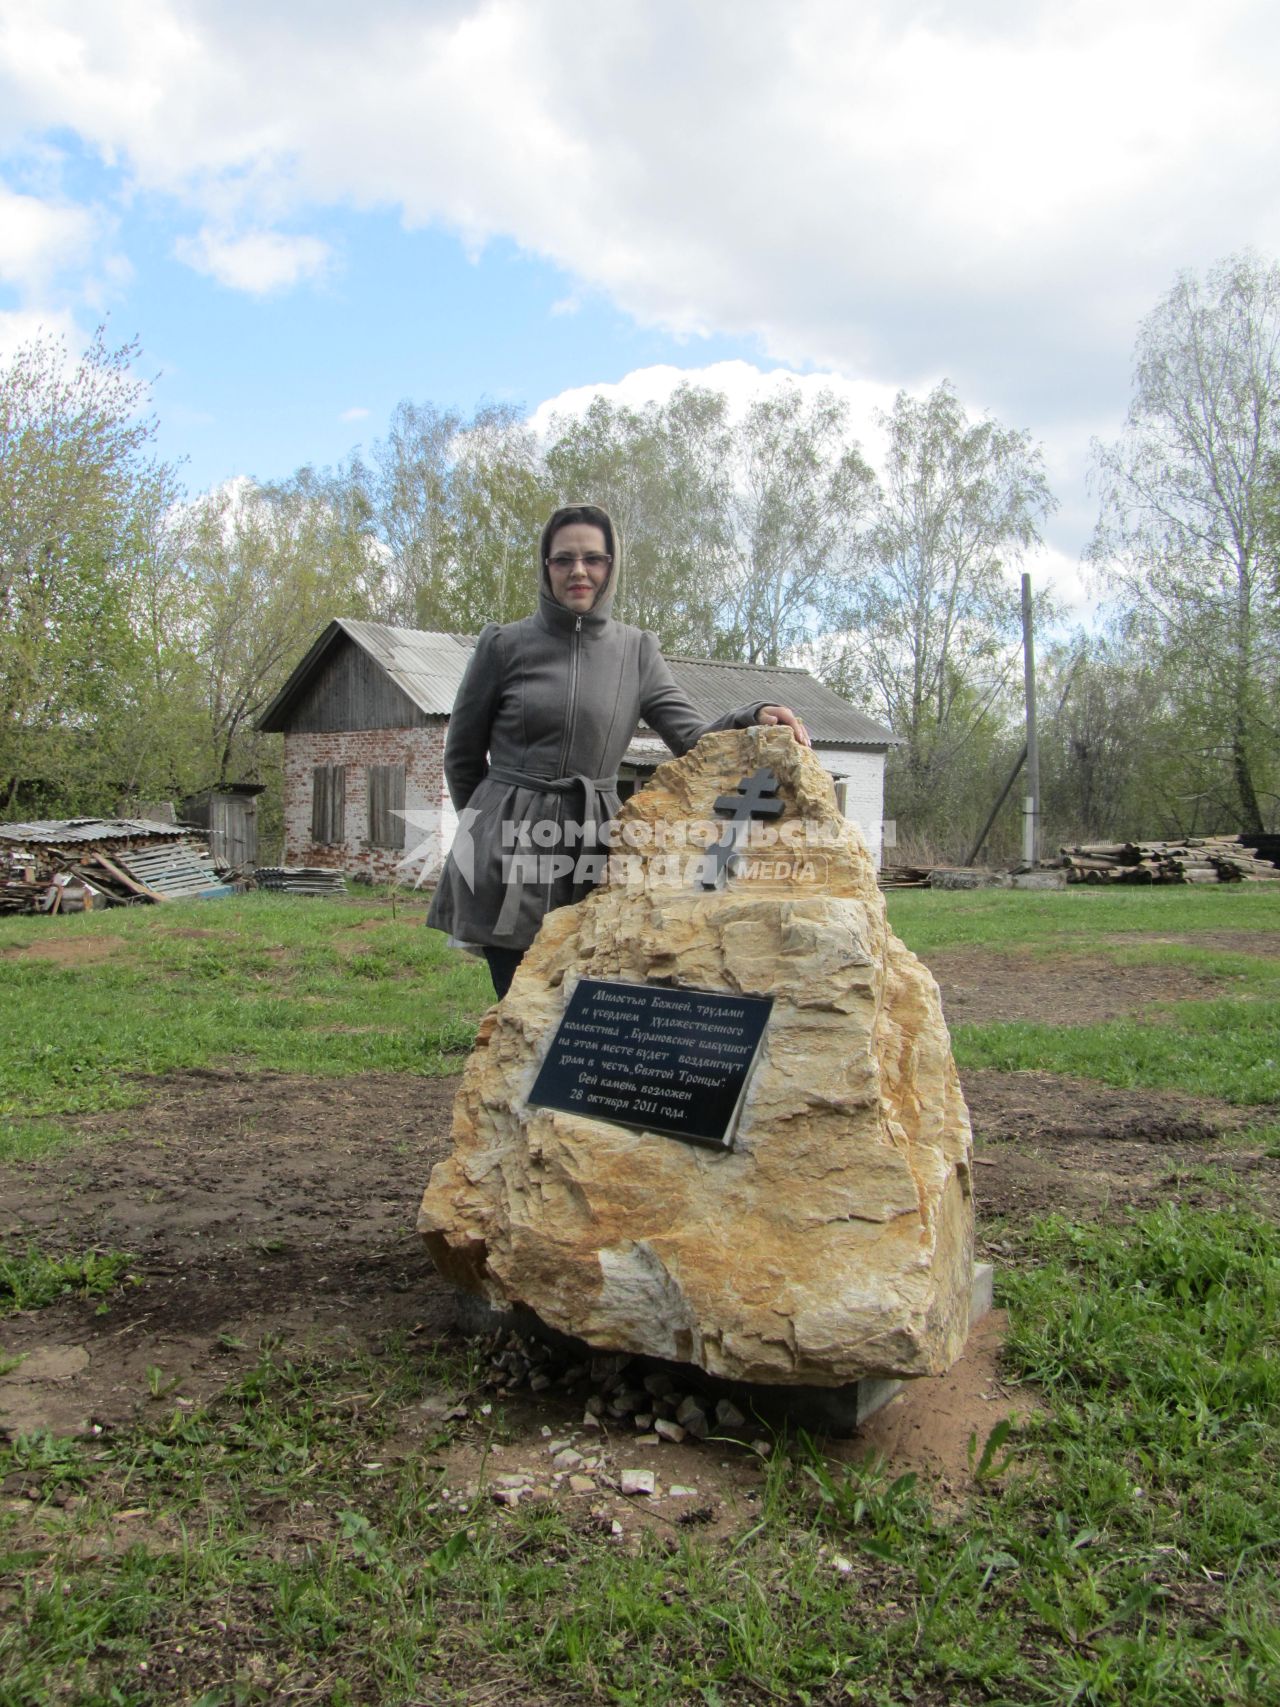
column 328, row 804
column 386, row 806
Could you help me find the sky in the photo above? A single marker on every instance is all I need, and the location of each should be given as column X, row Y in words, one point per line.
column 307, row 212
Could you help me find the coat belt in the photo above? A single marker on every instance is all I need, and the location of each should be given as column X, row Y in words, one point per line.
column 592, row 788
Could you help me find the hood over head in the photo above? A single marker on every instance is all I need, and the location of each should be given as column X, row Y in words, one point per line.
column 593, row 516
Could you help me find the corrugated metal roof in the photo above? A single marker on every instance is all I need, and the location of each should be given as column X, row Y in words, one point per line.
column 429, row 667
column 426, row 666
column 716, row 687
column 647, row 749
column 60, row 830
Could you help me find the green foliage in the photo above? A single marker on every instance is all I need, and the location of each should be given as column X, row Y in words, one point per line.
column 662, row 472
column 458, row 505
column 1185, row 532
column 31, row 1281
column 263, row 569
column 930, row 634
column 800, row 498
column 79, row 503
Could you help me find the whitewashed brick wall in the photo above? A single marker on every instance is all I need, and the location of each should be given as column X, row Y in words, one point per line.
column 420, row 751
column 864, row 799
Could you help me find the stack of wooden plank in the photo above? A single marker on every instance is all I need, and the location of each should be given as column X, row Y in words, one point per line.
column 1194, row 859
column 904, row 876
column 75, row 864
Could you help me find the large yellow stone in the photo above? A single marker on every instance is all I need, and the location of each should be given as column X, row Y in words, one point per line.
column 835, row 1239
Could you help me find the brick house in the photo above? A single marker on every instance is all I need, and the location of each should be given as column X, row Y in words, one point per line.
column 364, row 717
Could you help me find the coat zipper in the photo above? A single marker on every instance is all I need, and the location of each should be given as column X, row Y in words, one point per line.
column 568, row 727
column 573, row 694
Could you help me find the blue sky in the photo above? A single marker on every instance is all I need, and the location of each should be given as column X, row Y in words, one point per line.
column 256, row 386
column 307, row 212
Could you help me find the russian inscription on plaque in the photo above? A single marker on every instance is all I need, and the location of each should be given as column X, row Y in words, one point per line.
column 674, row 1061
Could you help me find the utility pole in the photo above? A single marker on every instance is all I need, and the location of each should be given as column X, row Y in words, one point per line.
column 1031, row 812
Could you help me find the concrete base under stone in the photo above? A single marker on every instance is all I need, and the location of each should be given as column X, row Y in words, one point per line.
column 825, row 1410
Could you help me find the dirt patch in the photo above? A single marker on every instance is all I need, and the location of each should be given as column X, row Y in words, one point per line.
column 68, row 950
column 1030, row 1106
column 282, row 1205
column 1069, row 1146
column 981, row 986
column 934, row 1423
column 254, row 1206
column 518, row 1449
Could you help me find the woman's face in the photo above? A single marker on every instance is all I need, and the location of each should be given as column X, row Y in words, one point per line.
column 577, row 565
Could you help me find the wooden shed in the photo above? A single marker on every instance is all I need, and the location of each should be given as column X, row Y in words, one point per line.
column 228, row 814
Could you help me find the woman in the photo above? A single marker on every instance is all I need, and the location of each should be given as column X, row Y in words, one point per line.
column 546, row 710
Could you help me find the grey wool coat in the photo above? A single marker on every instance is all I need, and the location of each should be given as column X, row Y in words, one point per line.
column 545, row 712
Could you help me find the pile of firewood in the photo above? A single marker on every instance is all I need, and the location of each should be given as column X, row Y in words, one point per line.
column 904, row 876
column 78, row 864
column 1195, row 859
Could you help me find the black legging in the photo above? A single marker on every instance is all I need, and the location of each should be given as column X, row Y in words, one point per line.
column 502, row 967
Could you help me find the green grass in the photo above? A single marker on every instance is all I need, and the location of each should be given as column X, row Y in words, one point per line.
column 1121, row 1550
column 1078, row 916
column 1226, row 1048
column 30, row 1281
column 309, row 986
column 291, row 1539
column 267, row 982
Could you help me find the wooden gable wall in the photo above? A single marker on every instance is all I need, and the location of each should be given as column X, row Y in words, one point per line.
column 349, row 690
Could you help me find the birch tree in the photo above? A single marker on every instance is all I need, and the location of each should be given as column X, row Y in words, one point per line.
column 662, row 474
column 267, row 567
column 1186, row 531
column 932, row 627
column 799, row 494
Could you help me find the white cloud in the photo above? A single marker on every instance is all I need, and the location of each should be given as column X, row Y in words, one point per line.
column 849, row 182
column 260, row 262
column 740, row 381
column 21, row 326
column 895, row 190
column 357, row 413
column 39, row 238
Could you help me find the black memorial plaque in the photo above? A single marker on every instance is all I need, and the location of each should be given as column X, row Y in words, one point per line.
column 666, row 1060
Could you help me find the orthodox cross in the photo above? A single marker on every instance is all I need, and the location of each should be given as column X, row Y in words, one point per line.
column 756, row 796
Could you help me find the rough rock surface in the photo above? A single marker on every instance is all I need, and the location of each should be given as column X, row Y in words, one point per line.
column 835, row 1239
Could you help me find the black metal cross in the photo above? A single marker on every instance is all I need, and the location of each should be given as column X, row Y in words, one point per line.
column 756, row 796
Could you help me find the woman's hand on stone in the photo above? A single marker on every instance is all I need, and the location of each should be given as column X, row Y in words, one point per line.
column 783, row 714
